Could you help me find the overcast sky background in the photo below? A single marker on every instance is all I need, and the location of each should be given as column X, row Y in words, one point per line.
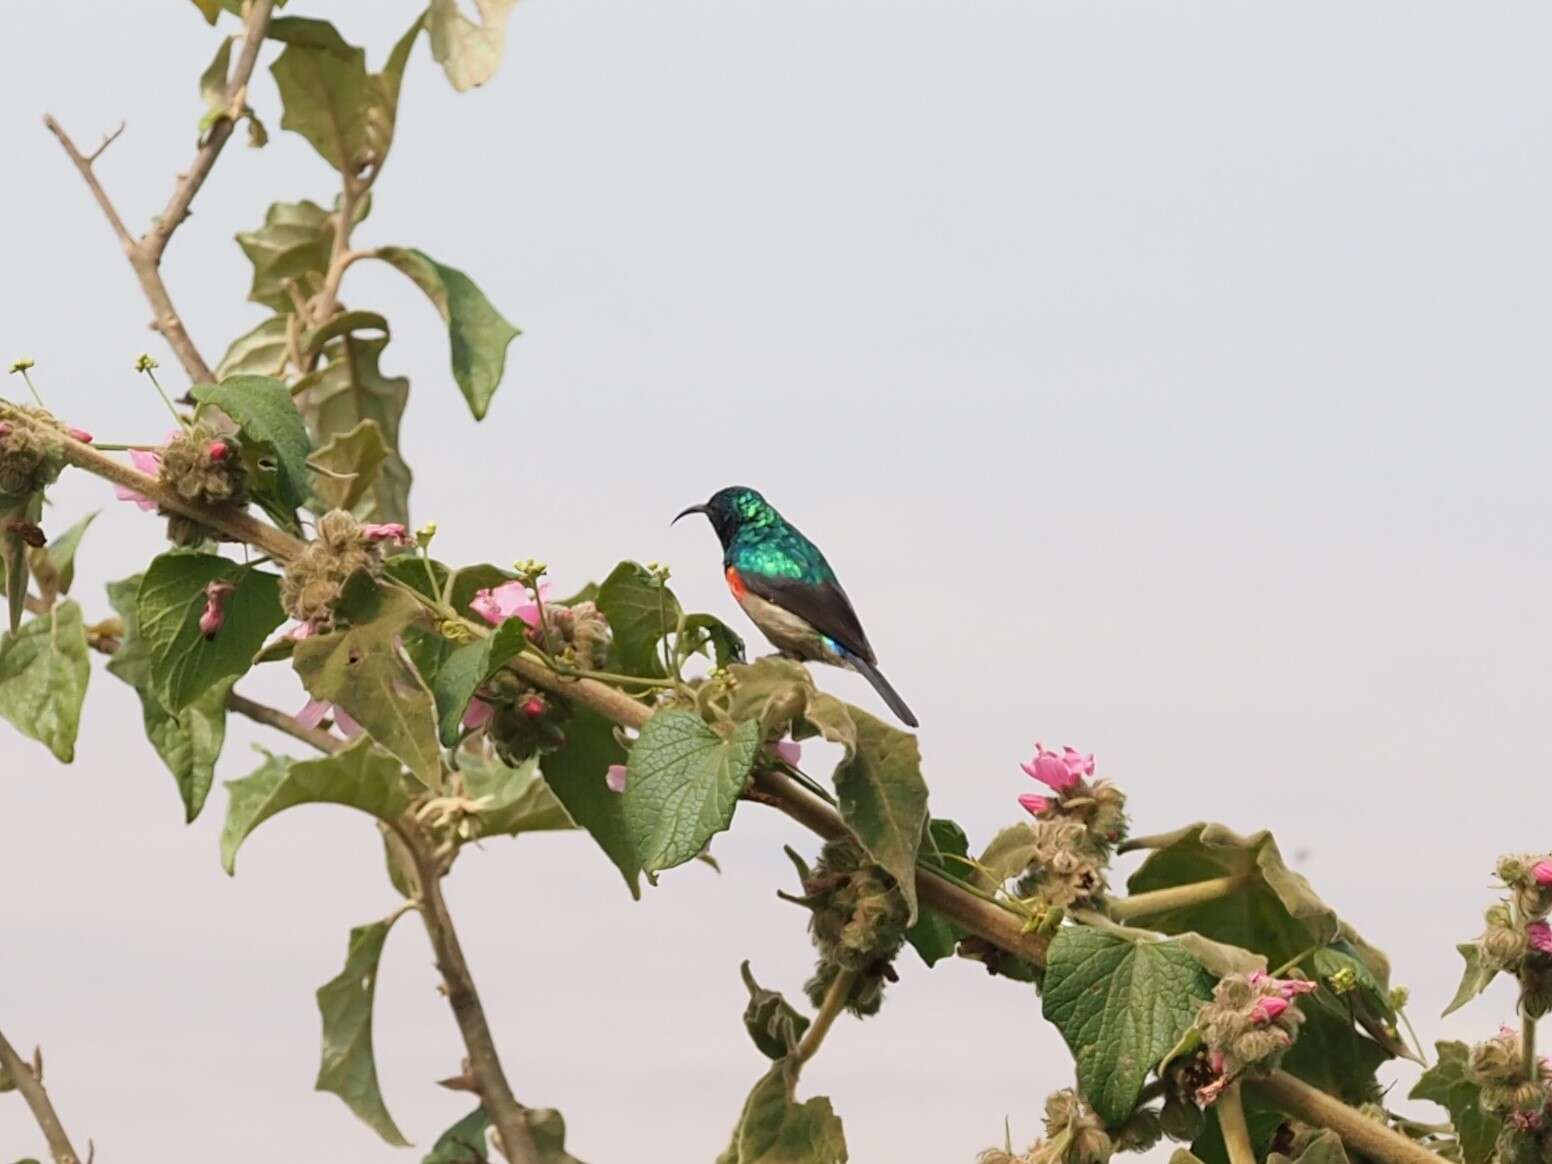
column 1167, row 379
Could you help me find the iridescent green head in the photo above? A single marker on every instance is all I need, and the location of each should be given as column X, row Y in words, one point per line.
column 733, row 508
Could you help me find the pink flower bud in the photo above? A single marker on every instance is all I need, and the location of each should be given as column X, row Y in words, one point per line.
column 387, row 531
column 532, row 707
column 478, row 715
column 615, row 777
column 1267, row 1009
column 1034, row 805
column 80, row 434
column 1540, row 935
column 5, row 429
column 214, row 613
column 788, row 751
column 1526, row 1121
column 218, row 450
column 1059, row 772
column 1542, row 872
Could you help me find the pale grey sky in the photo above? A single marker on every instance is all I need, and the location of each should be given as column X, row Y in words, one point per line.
column 1168, row 379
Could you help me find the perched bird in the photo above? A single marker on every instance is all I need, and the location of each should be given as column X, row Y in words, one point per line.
column 785, row 585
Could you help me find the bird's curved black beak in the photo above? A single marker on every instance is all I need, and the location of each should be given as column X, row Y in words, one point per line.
column 690, row 510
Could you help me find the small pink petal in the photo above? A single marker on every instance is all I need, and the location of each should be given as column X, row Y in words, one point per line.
column 1077, row 763
column 615, row 777
column 1540, row 935
column 386, row 531
column 124, row 493
column 312, row 713
column 348, row 727
column 478, row 715
column 788, row 751
column 1293, row 987
column 509, row 600
column 79, row 434
column 302, row 630
column 1267, row 1009
column 146, row 461
column 1034, row 805
column 1542, row 872
column 1048, row 768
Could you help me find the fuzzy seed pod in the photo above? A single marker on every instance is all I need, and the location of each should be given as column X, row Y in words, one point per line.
column 31, row 455
column 200, row 465
column 315, row 580
column 1503, row 946
column 1512, row 868
column 859, row 914
column 1496, row 1060
column 1088, row 1142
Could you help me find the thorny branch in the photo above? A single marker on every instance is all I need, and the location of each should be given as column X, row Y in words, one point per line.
column 28, row 1078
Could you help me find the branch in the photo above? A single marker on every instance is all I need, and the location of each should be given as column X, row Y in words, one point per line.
column 189, row 182
column 281, row 722
column 1357, row 1131
column 30, row 1084
column 145, row 254
column 484, row 1067
column 985, row 920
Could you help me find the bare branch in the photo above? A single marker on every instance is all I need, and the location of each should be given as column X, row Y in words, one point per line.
column 107, row 140
column 29, row 1081
column 84, row 165
column 281, row 722
column 189, row 182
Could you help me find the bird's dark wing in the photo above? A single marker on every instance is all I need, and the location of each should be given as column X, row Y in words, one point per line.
column 825, row 607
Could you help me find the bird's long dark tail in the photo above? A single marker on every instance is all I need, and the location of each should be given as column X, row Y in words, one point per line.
column 892, row 697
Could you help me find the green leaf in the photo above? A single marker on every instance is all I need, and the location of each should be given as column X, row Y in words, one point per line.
column 934, row 936
column 43, row 675
column 466, row 668
column 519, row 799
column 1275, row 912
column 1121, row 1005
column 470, row 580
column 259, row 352
column 270, row 424
column 363, row 669
column 212, row 84
column 184, row 664
column 53, row 566
column 706, row 634
column 357, row 777
column 468, row 52
column 351, row 388
column 477, row 332
column 1478, row 976
column 883, row 798
column 14, row 550
column 774, row 1128
column 1330, row 1054
column 683, row 785
column 349, row 1069
column 190, row 742
column 1324, row 1147
column 770, row 1019
column 346, row 113
column 641, row 609
column 346, row 468
column 292, row 246
column 1449, row 1084
column 1006, row 857
column 575, row 772
column 465, row 1142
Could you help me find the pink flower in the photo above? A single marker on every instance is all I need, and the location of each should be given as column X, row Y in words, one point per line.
column 478, row 715
column 509, row 600
column 1034, row 805
column 79, row 434
column 214, row 614
column 533, row 707
column 1267, row 1009
column 387, row 531
column 1286, row 987
column 314, row 710
column 1542, row 872
column 147, row 462
column 615, row 777
column 1540, row 935
column 1526, row 1121
column 1059, row 772
column 788, row 751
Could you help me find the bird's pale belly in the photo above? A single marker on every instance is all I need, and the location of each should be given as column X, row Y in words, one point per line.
column 788, row 633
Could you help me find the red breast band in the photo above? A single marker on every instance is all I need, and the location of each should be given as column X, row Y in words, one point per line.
column 735, row 583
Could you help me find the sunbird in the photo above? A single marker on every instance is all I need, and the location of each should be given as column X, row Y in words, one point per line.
column 788, row 589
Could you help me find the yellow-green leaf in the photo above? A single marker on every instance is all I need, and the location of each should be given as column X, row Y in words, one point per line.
column 43, row 676
column 348, row 1068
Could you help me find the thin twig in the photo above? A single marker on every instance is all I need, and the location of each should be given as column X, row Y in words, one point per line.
column 484, row 1069
column 834, row 1002
column 30, row 1084
column 107, row 140
column 281, row 722
column 145, row 254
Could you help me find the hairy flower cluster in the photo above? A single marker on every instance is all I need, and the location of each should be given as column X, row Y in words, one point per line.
column 1518, row 938
column 578, row 634
column 1497, row 1067
column 1249, row 1024
column 316, row 578
column 1066, row 868
column 520, row 720
column 1074, row 1134
column 1096, row 804
column 31, row 456
column 858, row 923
